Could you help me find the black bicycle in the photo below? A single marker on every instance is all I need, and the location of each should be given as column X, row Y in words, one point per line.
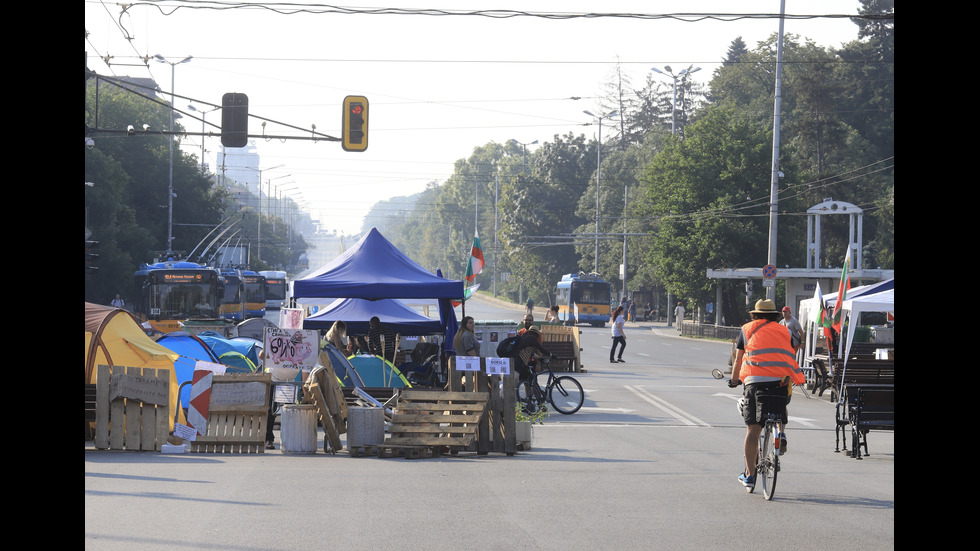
column 563, row 392
column 767, row 462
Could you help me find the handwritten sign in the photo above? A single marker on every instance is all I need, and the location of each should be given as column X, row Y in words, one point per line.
column 289, row 351
column 185, row 432
column 498, row 366
column 247, row 395
column 145, row 389
column 291, row 318
column 467, row 363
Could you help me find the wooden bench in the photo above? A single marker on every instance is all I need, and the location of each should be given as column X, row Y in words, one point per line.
column 564, row 343
column 873, row 409
column 565, row 352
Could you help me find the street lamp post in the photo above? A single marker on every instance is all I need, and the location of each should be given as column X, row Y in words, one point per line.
column 170, row 187
column 673, row 109
column 598, row 176
column 268, row 187
column 524, row 146
column 204, row 116
column 673, row 130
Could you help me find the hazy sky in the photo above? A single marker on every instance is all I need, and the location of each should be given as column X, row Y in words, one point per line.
column 438, row 86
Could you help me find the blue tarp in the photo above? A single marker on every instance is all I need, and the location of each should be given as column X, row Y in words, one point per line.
column 374, row 269
column 356, row 313
column 191, row 348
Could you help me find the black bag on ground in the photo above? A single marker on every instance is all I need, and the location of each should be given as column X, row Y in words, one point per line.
column 508, row 347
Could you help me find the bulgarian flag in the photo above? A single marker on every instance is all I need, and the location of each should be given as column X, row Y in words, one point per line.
column 845, row 284
column 475, row 265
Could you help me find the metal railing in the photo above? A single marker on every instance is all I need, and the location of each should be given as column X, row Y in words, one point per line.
column 706, row 331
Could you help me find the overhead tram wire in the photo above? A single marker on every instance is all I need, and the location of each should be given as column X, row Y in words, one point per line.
column 301, row 8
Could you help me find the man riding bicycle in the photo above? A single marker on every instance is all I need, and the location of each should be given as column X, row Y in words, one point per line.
column 529, row 348
column 768, row 351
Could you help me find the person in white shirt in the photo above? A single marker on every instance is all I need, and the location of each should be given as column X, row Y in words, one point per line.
column 617, row 336
column 118, row 302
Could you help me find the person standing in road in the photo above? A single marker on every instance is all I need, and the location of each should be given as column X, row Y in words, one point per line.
column 765, row 362
column 118, row 302
column 551, row 316
column 792, row 324
column 618, row 337
column 632, row 312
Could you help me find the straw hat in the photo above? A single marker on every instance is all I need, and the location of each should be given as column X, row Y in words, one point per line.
column 764, row 306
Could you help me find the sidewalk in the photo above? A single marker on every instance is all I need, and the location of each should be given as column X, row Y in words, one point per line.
column 658, row 327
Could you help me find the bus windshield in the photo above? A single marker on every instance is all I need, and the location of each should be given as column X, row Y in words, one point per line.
column 179, row 295
column 590, row 292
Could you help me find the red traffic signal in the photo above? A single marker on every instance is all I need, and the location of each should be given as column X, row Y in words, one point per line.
column 355, row 123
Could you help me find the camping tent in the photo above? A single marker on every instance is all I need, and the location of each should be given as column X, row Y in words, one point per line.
column 191, row 349
column 372, row 269
column 220, row 346
column 376, row 372
column 113, row 337
column 810, row 310
column 356, row 314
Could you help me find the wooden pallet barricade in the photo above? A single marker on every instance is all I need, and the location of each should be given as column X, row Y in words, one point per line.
column 324, row 391
column 132, row 408
column 237, row 414
column 436, row 418
column 496, row 430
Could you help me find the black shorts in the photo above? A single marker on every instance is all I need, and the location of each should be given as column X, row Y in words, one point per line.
column 773, row 400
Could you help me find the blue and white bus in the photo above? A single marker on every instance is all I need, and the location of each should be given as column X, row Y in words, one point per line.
column 169, row 293
column 583, row 298
column 275, row 288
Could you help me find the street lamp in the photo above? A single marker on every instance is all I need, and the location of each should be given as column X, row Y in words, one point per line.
column 170, row 187
column 598, row 174
column 204, row 116
column 673, row 110
column 267, row 194
column 673, row 129
column 524, row 146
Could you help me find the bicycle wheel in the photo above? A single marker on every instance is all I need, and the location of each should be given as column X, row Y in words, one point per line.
column 566, row 394
column 769, row 458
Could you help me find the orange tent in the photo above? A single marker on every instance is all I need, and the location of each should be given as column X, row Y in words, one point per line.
column 114, row 337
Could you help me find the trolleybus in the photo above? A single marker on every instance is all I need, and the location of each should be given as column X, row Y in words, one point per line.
column 231, row 303
column 168, row 293
column 583, row 298
column 254, row 294
column 275, row 288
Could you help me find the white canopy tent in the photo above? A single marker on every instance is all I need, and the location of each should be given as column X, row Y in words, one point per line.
column 853, row 307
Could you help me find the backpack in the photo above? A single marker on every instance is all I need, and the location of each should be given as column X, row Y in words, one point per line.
column 509, row 347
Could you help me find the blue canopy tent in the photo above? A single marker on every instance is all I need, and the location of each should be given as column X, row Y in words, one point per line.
column 356, row 313
column 374, row 269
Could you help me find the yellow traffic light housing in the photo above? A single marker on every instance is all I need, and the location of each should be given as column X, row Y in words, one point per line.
column 355, row 123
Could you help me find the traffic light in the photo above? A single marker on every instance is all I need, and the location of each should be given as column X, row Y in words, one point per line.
column 355, row 123
column 234, row 120
column 91, row 256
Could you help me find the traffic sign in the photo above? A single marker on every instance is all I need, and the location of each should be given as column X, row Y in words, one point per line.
column 769, row 271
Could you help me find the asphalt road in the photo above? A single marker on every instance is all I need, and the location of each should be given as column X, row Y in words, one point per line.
column 649, row 463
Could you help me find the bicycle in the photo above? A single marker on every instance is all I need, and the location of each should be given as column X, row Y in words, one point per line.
column 767, row 462
column 563, row 392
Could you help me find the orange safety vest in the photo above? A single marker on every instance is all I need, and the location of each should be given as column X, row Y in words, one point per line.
column 769, row 352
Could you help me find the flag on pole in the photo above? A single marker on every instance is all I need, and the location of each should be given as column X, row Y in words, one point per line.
column 845, row 284
column 475, row 265
column 822, row 316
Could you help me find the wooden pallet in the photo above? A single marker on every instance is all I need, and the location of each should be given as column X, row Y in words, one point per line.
column 389, row 451
column 436, row 418
column 233, row 426
column 127, row 423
